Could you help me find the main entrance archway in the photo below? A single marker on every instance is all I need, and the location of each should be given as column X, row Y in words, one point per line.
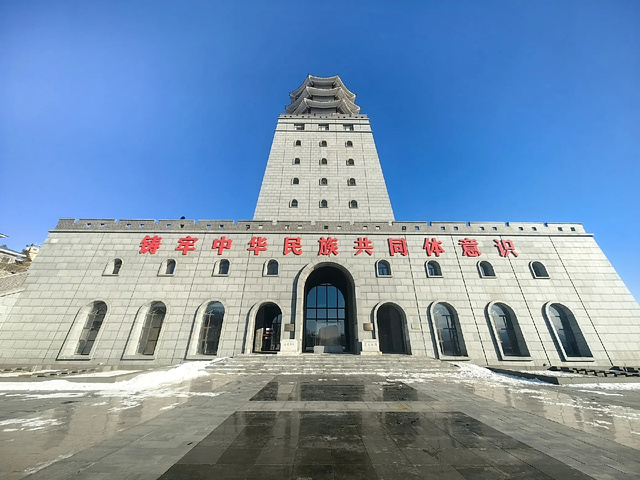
column 328, row 312
column 266, row 338
column 391, row 335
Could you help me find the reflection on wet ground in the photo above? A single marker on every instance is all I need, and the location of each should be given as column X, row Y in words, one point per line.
column 362, row 445
column 38, row 428
column 338, row 390
column 442, row 426
column 605, row 413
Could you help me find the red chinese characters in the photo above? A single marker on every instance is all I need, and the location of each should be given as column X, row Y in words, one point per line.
column 433, row 247
column 257, row 245
column 292, row 245
column 363, row 245
column 469, row 247
column 505, row 247
column 150, row 244
column 221, row 244
column 187, row 244
column 398, row 245
column 328, row 246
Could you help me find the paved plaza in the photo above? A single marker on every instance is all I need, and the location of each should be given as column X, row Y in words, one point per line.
column 337, row 417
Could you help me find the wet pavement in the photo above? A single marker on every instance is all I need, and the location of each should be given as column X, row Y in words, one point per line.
column 440, row 425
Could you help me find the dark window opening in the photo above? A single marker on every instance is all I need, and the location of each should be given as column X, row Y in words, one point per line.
column 449, row 337
column 223, row 269
column 117, row 264
column 486, row 269
column 539, row 270
column 91, row 328
column 384, row 269
column 151, row 328
column 211, row 328
column 272, row 267
column 170, row 267
column 433, row 269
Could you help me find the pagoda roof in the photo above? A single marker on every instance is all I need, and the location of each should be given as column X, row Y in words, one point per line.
column 338, row 97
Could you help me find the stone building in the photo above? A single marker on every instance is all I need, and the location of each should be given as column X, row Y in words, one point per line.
column 322, row 267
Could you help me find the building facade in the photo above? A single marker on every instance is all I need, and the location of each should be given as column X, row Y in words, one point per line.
column 323, row 267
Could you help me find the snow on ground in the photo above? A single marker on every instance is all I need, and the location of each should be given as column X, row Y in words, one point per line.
column 30, row 424
column 143, row 382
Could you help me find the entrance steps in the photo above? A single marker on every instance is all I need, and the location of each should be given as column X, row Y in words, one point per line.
column 309, row 364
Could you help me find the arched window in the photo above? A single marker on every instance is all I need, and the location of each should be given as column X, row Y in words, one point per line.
column 349, row 143
column 568, row 331
column 539, row 270
column 295, row 181
column 323, row 204
column 383, row 269
column 113, row 267
column 296, row 161
column 353, row 204
column 151, row 328
column 168, row 267
column 508, row 331
column 117, row 264
column 323, row 143
column 294, row 204
column 446, row 323
column 298, row 143
column 433, row 269
column 486, row 269
column 95, row 317
column 350, row 162
column 211, row 328
column 223, row 267
column 323, row 181
column 272, row 268
column 323, row 161
column 351, row 182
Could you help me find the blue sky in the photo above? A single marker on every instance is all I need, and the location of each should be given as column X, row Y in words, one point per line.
column 481, row 111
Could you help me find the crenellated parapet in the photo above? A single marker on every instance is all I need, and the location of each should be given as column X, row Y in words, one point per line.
column 416, row 228
column 322, row 95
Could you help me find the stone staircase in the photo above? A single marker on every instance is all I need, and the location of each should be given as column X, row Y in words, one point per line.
column 327, row 364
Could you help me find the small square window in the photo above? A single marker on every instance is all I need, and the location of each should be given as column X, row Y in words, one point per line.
column 520, row 228
column 442, row 228
column 299, row 126
column 404, row 228
column 324, row 127
column 573, row 229
column 348, row 127
column 221, row 226
column 559, row 229
column 534, row 229
column 455, row 228
column 416, row 228
column 494, row 228
column 247, row 227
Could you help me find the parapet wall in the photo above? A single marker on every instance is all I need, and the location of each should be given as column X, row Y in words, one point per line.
column 431, row 228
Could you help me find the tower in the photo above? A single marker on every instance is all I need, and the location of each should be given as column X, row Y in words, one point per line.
column 323, row 163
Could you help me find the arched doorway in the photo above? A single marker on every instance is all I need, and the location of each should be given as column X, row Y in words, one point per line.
column 391, row 337
column 328, row 312
column 266, row 338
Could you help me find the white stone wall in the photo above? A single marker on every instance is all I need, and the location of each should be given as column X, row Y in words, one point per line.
column 278, row 190
column 69, row 274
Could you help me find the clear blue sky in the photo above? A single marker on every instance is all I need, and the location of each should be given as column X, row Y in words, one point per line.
column 482, row 111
